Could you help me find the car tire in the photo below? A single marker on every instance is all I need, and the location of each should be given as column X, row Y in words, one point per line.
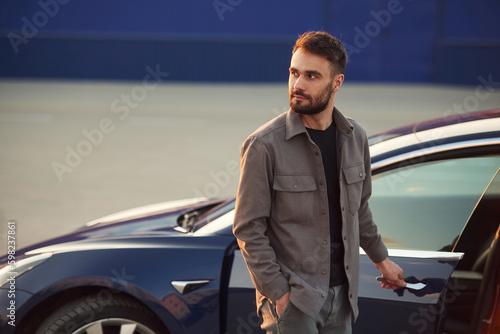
column 106, row 313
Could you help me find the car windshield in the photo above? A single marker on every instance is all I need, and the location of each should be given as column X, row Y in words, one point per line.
column 216, row 219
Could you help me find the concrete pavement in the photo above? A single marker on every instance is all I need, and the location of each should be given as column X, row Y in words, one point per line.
column 71, row 152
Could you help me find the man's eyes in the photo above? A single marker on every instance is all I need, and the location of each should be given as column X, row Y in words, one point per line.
column 309, row 75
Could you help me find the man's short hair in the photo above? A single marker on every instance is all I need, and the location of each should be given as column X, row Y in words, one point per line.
column 323, row 44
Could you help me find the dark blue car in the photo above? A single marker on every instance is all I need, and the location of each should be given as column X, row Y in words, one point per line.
column 176, row 268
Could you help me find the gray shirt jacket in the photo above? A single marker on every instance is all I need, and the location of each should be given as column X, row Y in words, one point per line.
column 282, row 220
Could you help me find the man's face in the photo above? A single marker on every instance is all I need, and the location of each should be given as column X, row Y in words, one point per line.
column 310, row 85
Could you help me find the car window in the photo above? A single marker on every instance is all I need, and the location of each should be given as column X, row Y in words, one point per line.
column 426, row 206
column 476, row 238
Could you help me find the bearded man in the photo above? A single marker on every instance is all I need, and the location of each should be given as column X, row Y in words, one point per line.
column 302, row 205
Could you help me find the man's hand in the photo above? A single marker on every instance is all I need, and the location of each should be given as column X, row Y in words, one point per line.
column 392, row 273
column 281, row 303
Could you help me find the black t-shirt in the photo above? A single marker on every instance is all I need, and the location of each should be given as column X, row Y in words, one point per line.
column 327, row 143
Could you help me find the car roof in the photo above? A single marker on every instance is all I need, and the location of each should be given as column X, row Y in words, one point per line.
column 442, row 134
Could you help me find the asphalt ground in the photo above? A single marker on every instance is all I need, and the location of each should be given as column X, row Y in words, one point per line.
column 73, row 151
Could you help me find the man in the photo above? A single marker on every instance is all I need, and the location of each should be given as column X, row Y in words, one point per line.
column 302, row 205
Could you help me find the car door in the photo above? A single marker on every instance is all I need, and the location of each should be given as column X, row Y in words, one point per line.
column 421, row 211
column 238, row 311
column 241, row 303
column 478, row 271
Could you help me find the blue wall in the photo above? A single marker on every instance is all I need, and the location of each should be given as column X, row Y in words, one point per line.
column 241, row 40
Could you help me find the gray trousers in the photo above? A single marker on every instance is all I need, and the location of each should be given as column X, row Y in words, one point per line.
column 334, row 317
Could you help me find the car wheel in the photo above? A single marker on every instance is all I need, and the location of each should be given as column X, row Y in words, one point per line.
column 94, row 314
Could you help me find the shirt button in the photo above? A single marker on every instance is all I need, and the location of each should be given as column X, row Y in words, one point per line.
column 348, row 131
column 350, row 295
column 322, row 296
column 294, row 186
column 342, row 208
column 360, row 174
column 321, row 183
column 316, row 153
column 324, row 242
column 345, row 237
column 324, row 272
column 347, row 267
column 323, row 213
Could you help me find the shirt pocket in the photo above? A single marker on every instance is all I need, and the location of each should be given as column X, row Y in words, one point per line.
column 354, row 177
column 293, row 198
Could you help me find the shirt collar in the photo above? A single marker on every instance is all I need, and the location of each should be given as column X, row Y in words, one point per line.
column 294, row 125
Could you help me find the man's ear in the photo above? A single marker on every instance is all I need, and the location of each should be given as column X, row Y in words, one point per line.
column 338, row 79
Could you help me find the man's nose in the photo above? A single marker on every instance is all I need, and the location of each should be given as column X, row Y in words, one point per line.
column 299, row 84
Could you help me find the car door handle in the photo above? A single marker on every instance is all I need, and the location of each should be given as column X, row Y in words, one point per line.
column 184, row 287
column 413, row 286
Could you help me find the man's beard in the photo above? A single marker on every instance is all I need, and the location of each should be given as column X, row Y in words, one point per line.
column 316, row 104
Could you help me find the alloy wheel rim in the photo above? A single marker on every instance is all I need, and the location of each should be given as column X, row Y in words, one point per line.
column 119, row 326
